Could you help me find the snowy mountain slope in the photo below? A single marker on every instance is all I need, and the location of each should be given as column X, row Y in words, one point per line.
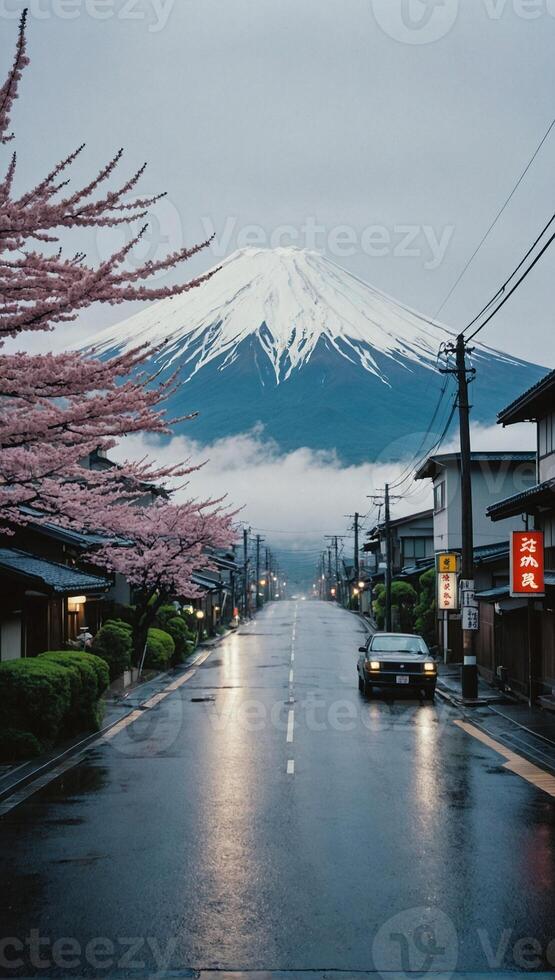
column 287, row 338
column 289, row 299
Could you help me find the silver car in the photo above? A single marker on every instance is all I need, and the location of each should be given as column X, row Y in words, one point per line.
column 397, row 660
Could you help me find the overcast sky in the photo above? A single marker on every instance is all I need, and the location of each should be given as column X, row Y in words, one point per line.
column 363, row 128
column 341, row 119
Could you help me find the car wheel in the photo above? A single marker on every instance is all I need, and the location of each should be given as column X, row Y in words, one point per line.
column 368, row 689
column 360, row 683
column 430, row 694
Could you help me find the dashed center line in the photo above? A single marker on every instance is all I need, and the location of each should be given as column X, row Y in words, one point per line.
column 291, row 715
column 290, row 724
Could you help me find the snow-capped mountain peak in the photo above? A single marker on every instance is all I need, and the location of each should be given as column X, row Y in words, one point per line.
column 289, row 300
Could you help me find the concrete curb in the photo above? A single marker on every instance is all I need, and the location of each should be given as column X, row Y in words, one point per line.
column 77, row 747
column 466, row 702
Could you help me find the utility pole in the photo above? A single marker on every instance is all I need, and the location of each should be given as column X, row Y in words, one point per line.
column 387, row 561
column 387, row 498
column 335, row 538
column 246, row 570
column 258, row 597
column 462, row 373
column 270, row 568
column 356, row 547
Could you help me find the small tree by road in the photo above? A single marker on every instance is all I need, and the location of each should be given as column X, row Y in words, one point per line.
column 403, row 602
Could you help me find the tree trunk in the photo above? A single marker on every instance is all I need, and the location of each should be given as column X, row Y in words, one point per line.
column 145, row 614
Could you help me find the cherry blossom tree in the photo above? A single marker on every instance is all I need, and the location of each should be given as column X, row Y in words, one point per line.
column 157, row 548
column 57, row 409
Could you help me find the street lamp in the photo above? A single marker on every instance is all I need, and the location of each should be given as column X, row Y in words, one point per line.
column 200, row 616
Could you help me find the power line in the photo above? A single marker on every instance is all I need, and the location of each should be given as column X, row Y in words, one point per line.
column 431, row 449
column 518, row 282
column 497, row 216
column 409, row 467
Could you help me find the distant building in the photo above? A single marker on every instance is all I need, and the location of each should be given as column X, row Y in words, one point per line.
column 412, row 541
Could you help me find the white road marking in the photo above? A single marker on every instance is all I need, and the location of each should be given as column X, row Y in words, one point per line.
column 290, row 725
column 292, row 657
column 290, row 767
column 291, row 676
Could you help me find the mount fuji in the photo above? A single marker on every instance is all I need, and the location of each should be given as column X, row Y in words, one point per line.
column 286, row 339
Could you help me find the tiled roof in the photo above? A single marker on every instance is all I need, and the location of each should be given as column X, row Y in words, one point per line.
column 523, row 407
column 206, row 581
column 430, row 466
column 542, row 494
column 488, row 552
column 59, row 579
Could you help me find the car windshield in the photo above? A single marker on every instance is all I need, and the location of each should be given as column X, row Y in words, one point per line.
column 398, row 644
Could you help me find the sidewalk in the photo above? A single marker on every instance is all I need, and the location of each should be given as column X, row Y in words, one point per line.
column 527, row 731
column 449, row 687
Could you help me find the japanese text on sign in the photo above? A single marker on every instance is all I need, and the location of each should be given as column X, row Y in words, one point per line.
column 447, row 562
column 447, row 590
column 527, row 563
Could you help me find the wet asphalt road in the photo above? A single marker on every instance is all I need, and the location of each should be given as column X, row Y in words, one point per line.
column 398, row 843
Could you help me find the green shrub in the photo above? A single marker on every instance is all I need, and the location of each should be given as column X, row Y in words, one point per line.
column 165, row 614
column 160, row 649
column 15, row 746
column 425, row 610
column 35, row 696
column 403, row 601
column 113, row 644
column 177, row 629
column 120, row 624
column 89, row 677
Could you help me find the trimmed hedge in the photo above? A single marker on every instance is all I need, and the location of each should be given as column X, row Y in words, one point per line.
column 44, row 697
column 16, row 746
column 160, row 649
column 89, row 679
column 35, row 695
column 113, row 644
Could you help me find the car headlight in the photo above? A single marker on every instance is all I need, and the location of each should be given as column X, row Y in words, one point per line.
column 374, row 665
column 429, row 667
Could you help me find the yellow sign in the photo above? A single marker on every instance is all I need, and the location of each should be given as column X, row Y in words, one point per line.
column 447, row 562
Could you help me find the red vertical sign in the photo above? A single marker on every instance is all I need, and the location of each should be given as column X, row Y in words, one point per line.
column 527, row 563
